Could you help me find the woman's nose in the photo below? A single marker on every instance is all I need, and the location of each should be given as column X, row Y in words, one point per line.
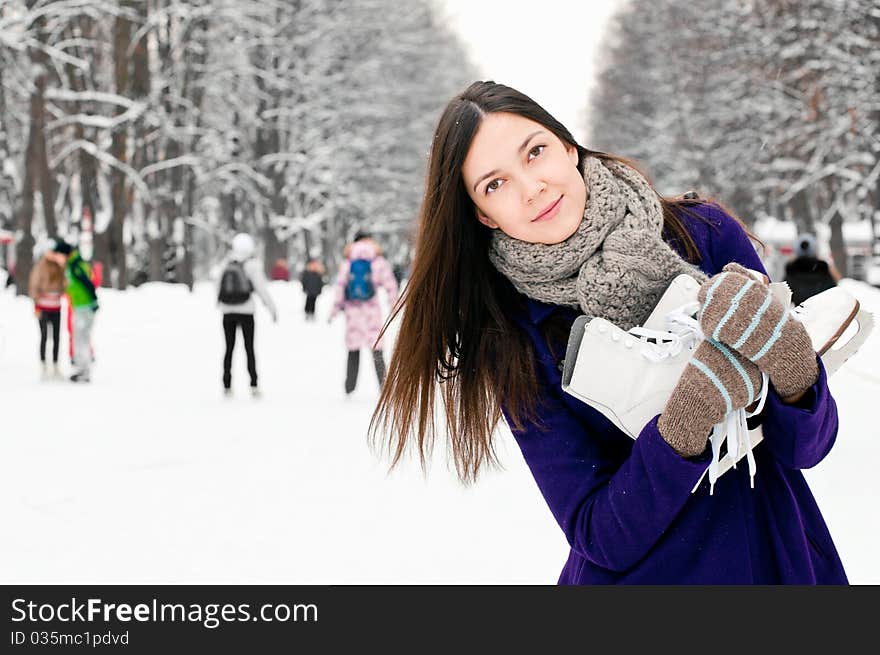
column 534, row 188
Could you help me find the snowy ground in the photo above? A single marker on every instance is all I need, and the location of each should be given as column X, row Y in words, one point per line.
column 150, row 475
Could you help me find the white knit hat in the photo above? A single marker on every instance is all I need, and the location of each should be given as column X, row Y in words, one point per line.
column 242, row 246
column 806, row 245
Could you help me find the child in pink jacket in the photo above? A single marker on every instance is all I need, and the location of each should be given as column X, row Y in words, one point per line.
column 363, row 272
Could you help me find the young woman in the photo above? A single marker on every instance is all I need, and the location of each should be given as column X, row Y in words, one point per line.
column 521, row 230
column 242, row 277
column 362, row 272
column 45, row 287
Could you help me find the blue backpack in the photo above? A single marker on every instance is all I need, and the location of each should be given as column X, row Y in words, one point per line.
column 360, row 281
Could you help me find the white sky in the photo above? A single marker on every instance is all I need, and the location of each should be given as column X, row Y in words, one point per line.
column 544, row 49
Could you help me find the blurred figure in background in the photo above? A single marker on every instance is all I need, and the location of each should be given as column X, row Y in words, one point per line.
column 806, row 274
column 83, row 298
column 280, row 271
column 45, row 287
column 241, row 277
column 313, row 279
column 361, row 274
column 96, row 275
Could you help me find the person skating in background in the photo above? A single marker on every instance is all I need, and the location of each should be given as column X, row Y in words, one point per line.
column 360, row 275
column 806, row 274
column 241, row 277
column 280, row 271
column 96, row 275
column 83, row 299
column 313, row 280
column 46, row 287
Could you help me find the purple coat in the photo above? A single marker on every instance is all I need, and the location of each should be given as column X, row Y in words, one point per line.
column 625, row 506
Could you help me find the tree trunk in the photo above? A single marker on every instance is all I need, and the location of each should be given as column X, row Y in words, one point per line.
column 838, row 247
column 101, row 253
column 196, row 60
column 228, row 205
column 140, row 91
column 187, row 264
column 7, row 182
column 157, row 246
column 46, row 181
column 801, row 210
column 77, row 80
column 43, row 180
column 121, row 37
column 24, row 251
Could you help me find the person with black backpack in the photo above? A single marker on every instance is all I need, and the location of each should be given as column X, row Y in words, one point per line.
column 242, row 276
column 361, row 274
column 807, row 274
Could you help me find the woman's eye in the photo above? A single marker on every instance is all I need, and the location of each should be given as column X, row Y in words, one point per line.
column 494, row 185
column 534, row 152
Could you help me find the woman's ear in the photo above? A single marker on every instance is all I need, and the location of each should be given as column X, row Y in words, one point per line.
column 572, row 153
column 485, row 220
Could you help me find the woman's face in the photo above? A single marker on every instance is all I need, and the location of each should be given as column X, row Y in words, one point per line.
column 524, row 180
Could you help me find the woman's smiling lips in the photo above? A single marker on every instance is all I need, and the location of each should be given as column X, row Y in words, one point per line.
column 549, row 212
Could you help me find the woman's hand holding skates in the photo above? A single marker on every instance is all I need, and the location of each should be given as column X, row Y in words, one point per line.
column 648, row 362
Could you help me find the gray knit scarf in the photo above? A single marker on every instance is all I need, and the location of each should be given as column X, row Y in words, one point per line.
column 616, row 265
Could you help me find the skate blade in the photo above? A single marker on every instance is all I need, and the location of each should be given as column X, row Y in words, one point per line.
column 849, row 342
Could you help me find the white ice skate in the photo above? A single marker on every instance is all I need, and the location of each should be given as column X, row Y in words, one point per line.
column 834, row 339
column 646, row 362
column 834, row 319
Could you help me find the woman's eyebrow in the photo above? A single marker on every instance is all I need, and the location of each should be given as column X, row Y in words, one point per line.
column 519, row 150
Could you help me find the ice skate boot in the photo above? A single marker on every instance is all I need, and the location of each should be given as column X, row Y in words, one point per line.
column 626, row 376
column 629, row 376
column 81, row 377
column 646, row 362
column 833, row 319
column 837, row 325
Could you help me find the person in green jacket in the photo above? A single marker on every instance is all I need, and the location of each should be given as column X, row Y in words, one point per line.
column 84, row 300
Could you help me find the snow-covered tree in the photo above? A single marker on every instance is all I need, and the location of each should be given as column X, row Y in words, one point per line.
column 768, row 105
column 176, row 123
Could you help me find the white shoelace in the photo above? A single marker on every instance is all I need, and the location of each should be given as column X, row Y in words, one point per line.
column 684, row 332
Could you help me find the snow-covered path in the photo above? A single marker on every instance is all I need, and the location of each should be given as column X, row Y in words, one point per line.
column 150, row 475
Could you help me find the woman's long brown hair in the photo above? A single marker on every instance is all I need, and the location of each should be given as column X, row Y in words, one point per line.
column 48, row 275
column 456, row 342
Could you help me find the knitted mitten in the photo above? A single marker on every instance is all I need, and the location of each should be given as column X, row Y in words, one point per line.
column 739, row 311
column 717, row 381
